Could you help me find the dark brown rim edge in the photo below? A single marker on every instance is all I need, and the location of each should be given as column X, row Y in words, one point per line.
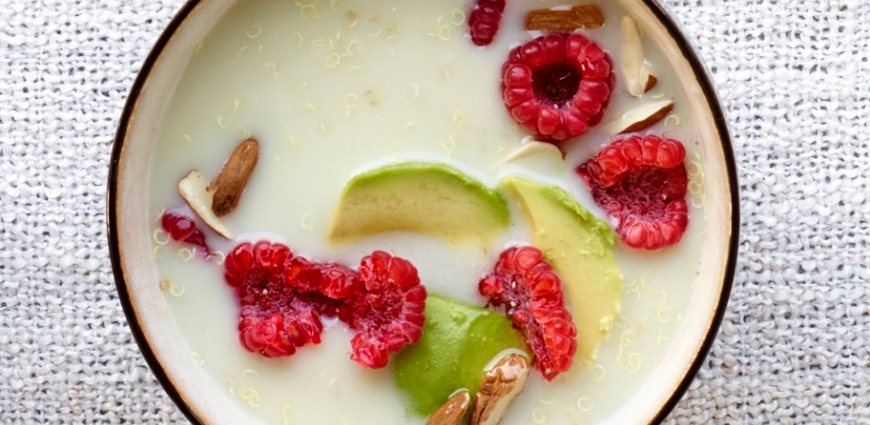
column 111, row 222
column 702, row 75
column 673, row 29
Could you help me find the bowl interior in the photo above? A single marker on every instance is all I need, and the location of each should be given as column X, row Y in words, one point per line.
column 162, row 343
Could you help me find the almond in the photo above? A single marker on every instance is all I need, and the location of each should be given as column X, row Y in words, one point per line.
column 498, row 388
column 452, row 411
column 194, row 189
column 650, row 83
column 643, row 117
column 533, row 148
column 231, row 181
column 637, row 72
column 582, row 16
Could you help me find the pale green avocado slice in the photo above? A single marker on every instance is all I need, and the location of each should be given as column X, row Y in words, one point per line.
column 579, row 247
column 458, row 341
column 429, row 198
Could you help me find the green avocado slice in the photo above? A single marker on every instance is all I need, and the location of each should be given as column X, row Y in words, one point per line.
column 430, row 198
column 458, row 342
column 579, row 247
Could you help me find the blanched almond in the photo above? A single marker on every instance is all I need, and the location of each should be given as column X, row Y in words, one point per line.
column 231, row 181
column 582, row 16
column 533, row 148
column 637, row 73
column 498, row 388
column 193, row 188
column 643, row 117
column 452, row 411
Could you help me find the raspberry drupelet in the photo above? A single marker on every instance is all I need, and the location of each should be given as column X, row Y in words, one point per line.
column 557, row 86
column 183, row 229
column 641, row 181
column 484, row 21
column 524, row 284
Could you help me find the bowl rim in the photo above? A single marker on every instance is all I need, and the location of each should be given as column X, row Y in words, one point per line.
column 658, row 11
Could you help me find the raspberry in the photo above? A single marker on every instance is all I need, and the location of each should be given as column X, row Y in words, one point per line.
column 178, row 226
column 557, row 86
column 484, row 21
column 641, row 181
column 531, row 294
column 182, row 228
column 283, row 297
column 279, row 312
column 388, row 310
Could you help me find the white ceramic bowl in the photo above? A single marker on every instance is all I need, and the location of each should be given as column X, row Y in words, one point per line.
column 163, row 345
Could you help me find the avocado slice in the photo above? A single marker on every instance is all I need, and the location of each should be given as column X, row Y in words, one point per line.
column 578, row 246
column 458, row 342
column 430, row 198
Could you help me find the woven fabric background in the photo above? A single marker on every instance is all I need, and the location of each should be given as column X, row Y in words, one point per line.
column 793, row 76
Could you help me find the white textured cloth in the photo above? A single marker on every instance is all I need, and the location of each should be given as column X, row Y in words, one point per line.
column 794, row 78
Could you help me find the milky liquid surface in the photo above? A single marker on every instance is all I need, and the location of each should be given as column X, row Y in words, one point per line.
column 332, row 89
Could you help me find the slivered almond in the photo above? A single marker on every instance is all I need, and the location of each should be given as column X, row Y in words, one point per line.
column 582, row 16
column 193, row 188
column 638, row 76
column 452, row 411
column 231, row 181
column 533, row 148
column 498, row 388
column 643, row 117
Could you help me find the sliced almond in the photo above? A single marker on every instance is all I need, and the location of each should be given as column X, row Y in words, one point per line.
column 231, row 181
column 638, row 75
column 194, row 189
column 533, row 148
column 498, row 388
column 452, row 411
column 643, row 117
column 582, row 16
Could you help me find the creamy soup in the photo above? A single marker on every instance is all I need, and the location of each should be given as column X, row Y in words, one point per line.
column 333, row 89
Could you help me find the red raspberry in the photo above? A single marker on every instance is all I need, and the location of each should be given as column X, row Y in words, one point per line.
column 178, row 226
column 388, row 310
column 557, row 86
column 279, row 312
column 182, row 228
column 531, row 294
column 641, row 181
column 283, row 297
column 484, row 21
